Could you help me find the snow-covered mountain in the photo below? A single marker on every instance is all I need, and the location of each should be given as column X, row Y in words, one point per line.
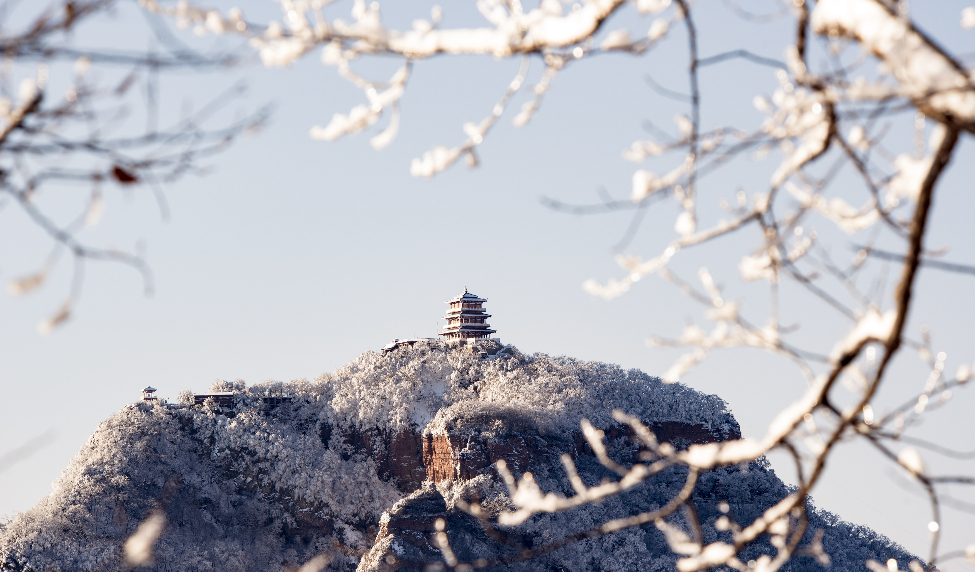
column 359, row 465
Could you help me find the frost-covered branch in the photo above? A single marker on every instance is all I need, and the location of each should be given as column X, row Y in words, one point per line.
column 64, row 130
column 550, row 32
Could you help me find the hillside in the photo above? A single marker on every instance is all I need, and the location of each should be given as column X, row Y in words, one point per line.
column 361, row 463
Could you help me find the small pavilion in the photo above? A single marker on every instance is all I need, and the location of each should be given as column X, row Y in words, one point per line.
column 147, row 393
column 466, row 318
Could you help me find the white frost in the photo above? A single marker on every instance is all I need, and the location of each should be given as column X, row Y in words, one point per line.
column 616, row 40
column 923, row 72
column 872, row 326
column 911, row 460
column 685, row 224
column 640, row 150
column 646, row 183
column 797, row 114
column 358, row 119
column 138, row 548
column 433, row 161
column 858, row 138
column 757, row 267
column 658, row 29
column 911, row 172
column 968, row 17
column 845, row 215
column 714, row 554
column 652, row 6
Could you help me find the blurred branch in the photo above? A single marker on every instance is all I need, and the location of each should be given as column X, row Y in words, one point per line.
column 937, row 264
column 25, row 451
column 83, row 139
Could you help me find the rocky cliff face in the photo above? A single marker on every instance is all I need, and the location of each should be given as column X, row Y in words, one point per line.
column 452, row 455
column 361, row 465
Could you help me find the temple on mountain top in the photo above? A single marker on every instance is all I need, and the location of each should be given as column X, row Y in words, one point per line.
column 466, row 318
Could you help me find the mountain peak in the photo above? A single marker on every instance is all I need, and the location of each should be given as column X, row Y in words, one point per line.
column 361, row 463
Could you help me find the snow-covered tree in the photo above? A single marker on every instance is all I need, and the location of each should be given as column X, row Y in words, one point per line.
column 224, row 386
column 185, row 397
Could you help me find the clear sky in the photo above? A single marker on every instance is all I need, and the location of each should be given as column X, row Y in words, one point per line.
column 293, row 256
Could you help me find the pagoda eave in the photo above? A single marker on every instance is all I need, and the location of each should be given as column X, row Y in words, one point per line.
column 466, row 298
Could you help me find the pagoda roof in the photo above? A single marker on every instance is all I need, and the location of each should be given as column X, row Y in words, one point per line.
column 466, row 297
column 150, row 388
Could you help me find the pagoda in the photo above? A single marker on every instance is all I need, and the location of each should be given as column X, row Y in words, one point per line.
column 466, row 318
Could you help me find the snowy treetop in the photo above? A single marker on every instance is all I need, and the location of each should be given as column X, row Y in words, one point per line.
column 408, row 387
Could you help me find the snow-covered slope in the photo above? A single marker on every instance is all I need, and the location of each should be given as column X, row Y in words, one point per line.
column 363, row 461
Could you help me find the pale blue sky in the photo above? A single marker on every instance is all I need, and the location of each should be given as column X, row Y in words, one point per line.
column 293, row 256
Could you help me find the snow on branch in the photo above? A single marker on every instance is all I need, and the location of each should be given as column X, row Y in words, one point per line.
column 548, row 31
column 937, row 84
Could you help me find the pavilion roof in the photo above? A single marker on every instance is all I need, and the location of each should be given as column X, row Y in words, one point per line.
column 467, row 297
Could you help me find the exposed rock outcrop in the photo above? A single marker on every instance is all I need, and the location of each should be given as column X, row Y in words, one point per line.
column 406, row 537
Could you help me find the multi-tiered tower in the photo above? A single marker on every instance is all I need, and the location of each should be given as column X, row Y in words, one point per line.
column 466, row 318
